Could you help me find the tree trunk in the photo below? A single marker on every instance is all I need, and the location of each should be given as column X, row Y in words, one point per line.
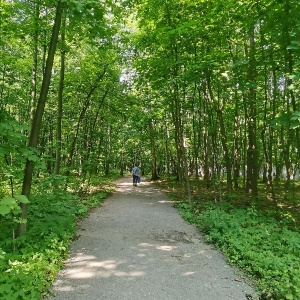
column 290, row 95
column 37, row 121
column 271, row 131
column 35, row 62
column 154, row 175
column 168, row 155
column 177, row 115
column 223, row 135
column 91, row 142
column 252, row 163
column 107, row 151
column 206, row 176
column 80, row 119
column 236, row 143
column 60, row 101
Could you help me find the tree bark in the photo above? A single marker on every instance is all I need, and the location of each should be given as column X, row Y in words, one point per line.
column 223, row 135
column 154, row 175
column 60, row 101
column 35, row 62
column 91, row 142
column 37, row 121
column 252, row 163
column 80, row 119
column 291, row 104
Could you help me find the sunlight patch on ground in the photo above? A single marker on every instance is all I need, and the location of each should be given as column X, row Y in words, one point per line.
column 188, row 273
column 65, row 288
column 146, row 183
column 128, row 186
column 81, row 255
column 145, row 245
column 86, row 266
column 168, row 201
column 107, row 265
column 125, row 184
column 76, row 273
column 136, row 274
column 160, row 247
column 166, row 248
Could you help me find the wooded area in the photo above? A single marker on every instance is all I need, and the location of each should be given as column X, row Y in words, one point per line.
column 202, row 91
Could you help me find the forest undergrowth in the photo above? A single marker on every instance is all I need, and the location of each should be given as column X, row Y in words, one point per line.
column 260, row 236
column 30, row 263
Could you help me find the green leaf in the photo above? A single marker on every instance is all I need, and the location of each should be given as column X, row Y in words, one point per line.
column 20, row 220
column 8, row 201
column 22, row 199
column 33, row 157
column 4, row 210
column 2, row 151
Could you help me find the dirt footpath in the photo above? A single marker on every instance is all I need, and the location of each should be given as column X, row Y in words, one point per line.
column 136, row 246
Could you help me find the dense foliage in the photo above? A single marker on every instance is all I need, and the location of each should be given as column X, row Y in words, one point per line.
column 266, row 249
column 186, row 88
column 225, row 87
column 29, row 264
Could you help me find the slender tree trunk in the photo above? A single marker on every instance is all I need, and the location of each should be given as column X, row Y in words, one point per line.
column 92, row 132
column 227, row 157
column 107, row 150
column 168, row 154
column 290, row 95
column 265, row 127
column 37, row 121
column 195, row 146
column 154, row 175
column 236, row 150
column 271, row 129
column 252, row 163
column 195, row 133
column 289, row 66
column 177, row 116
column 60, row 101
column 35, row 62
column 80, row 119
column 223, row 135
column 206, row 159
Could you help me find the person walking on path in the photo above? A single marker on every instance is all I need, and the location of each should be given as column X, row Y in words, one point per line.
column 135, row 175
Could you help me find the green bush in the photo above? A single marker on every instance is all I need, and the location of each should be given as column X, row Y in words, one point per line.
column 29, row 264
column 262, row 246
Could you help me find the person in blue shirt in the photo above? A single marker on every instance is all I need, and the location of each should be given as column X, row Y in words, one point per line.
column 135, row 175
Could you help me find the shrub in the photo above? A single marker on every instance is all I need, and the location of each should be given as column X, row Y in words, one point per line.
column 262, row 246
column 29, row 264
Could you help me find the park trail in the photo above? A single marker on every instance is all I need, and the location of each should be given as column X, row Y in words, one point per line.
column 136, row 246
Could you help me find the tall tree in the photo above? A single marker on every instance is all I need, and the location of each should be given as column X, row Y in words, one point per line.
column 60, row 99
column 37, row 121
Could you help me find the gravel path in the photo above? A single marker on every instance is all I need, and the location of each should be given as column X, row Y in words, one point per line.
column 136, row 246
